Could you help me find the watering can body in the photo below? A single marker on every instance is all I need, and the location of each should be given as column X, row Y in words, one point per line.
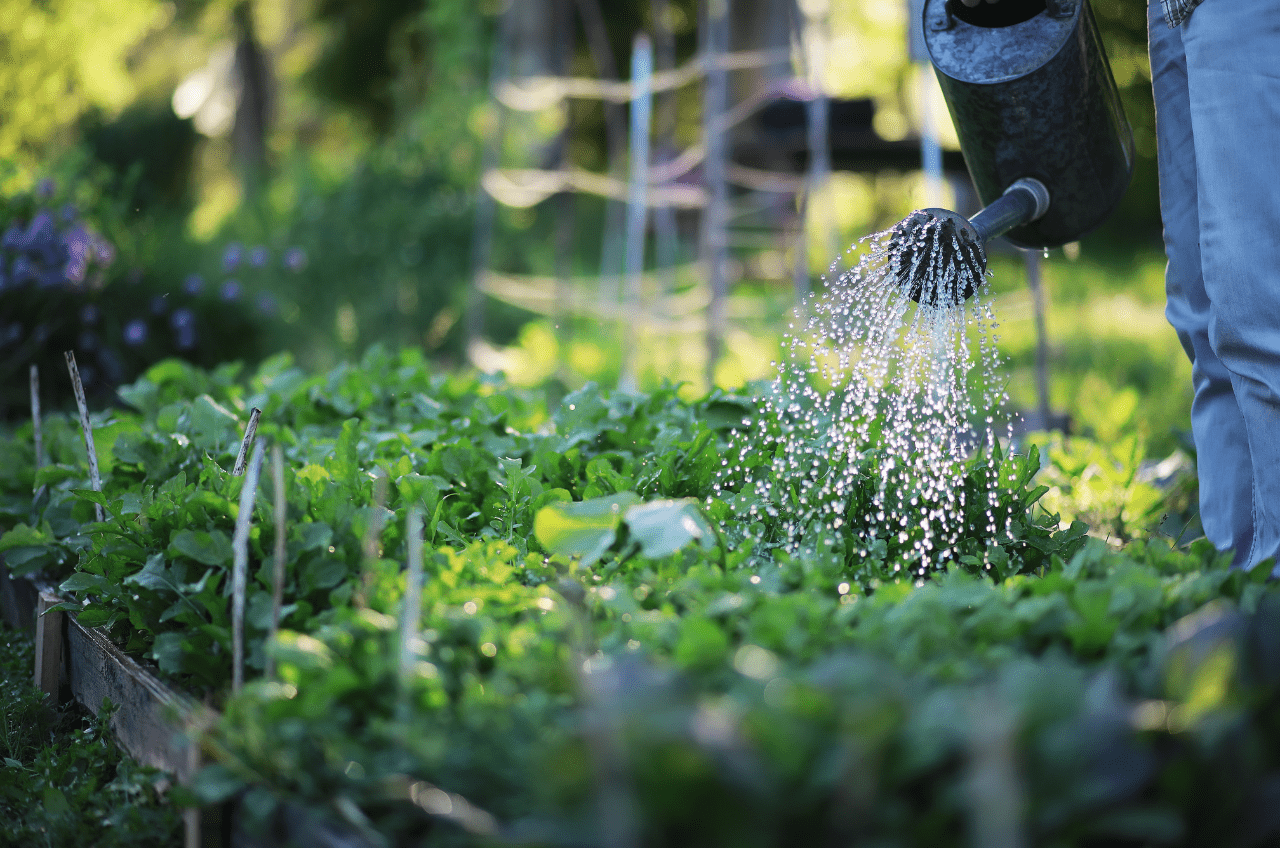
column 1032, row 96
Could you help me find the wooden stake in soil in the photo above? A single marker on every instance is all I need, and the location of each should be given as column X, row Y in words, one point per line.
column 277, row 574
column 37, row 429
column 240, row 547
column 250, row 432
column 371, row 545
column 95, row 481
column 48, row 644
column 411, row 614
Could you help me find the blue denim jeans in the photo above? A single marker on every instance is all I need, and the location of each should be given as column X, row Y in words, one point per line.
column 1216, row 81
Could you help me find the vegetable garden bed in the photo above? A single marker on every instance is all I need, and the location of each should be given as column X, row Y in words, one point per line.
column 595, row 644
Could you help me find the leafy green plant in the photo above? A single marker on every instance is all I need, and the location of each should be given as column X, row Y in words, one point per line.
column 64, row 781
column 599, row 606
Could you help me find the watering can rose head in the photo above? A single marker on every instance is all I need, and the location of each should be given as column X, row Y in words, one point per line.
column 937, row 258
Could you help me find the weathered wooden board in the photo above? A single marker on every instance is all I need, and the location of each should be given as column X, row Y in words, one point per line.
column 50, row 628
column 151, row 720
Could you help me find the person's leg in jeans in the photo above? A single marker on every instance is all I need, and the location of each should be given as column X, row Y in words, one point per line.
column 1218, row 127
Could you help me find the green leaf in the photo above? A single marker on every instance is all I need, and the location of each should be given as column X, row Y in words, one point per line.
column 24, row 536
column 95, row 615
column 22, row 561
column 323, row 573
column 215, row 783
column 207, row 548
column 52, row 475
column 584, row 529
column 167, row 652
column 82, row 581
column 55, row 803
column 154, row 576
column 664, row 527
column 314, row 536
column 701, row 645
column 212, row 425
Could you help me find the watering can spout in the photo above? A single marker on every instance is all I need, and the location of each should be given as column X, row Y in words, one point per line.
column 940, row 256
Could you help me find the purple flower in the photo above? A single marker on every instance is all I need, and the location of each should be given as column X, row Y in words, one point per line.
column 75, row 269
column 266, row 304
column 89, row 314
column 68, row 213
column 12, row 238
column 40, row 231
column 135, row 332
column 22, row 270
column 160, row 304
column 295, row 259
column 230, row 290
column 193, row 285
column 103, row 250
column 79, row 245
column 231, row 257
column 183, row 322
column 258, row 256
column 45, row 189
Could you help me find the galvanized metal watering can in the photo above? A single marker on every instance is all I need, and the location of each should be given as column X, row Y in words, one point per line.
column 1042, row 132
column 1037, row 112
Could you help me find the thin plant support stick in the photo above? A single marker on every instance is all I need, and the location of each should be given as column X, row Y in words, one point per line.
column 371, row 544
column 240, row 565
column 486, row 205
column 664, row 124
column 277, row 573
column 714, row 32
column 95, row 479
column 250, row 433
column 37, row 429
column 564, row 202
column 597, row 34
column 819, row 138
column 637, row 198
column 411, row 613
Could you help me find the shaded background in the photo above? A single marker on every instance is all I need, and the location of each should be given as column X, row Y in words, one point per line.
column 306, row 176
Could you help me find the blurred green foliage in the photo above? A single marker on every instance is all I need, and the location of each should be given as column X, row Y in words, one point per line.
column 63, row 58
column 64, row 781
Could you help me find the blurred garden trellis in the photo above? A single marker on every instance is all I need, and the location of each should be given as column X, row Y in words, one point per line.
column 662, row 181
column 735, row 202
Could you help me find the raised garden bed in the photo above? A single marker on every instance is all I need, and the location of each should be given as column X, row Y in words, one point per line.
column 607, row 647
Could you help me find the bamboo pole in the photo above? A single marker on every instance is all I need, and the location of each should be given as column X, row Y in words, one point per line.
column 411, row 612
column 95, row 480
column 714, row 31
column 48, row 644
column 371, row 544
column 37, row 428
column 240, row 566
column 277, row 572
column 637, row 198
column 250, row 433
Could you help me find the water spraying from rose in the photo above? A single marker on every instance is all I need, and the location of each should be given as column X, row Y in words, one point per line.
column 886, row 394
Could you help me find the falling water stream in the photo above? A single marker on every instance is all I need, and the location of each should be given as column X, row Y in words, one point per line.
column 881, row 403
